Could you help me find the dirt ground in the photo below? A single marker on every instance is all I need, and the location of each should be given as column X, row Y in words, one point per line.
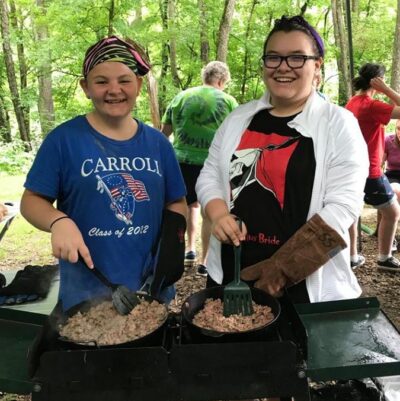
column 383, row 285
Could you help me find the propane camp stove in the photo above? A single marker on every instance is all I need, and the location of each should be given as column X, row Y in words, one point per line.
column 345, row 340
column 185, row 365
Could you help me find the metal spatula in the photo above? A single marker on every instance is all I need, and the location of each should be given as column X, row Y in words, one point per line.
column 124, row 300
column 237, row 294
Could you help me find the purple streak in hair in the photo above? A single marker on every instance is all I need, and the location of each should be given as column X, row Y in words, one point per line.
column 298, row 19
column 316, row 36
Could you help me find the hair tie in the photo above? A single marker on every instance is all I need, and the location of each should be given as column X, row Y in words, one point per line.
column 57, row 219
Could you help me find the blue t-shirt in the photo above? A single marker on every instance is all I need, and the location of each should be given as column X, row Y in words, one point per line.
column 115, row 191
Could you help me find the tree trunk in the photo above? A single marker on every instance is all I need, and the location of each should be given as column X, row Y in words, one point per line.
column 45, row 100
column 164, row 57
column 345, row 88
column 153, row 96
column 204, row 44
column 172, row 43
column 395, row 79
column 111, row 15
column 138, row 12
column 5, row 127
column 246, row 51
column 355, row 6
column 224, row 30
column 12, row 80
column 23, row 69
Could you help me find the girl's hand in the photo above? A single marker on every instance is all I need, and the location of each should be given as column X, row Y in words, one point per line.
column 3, row 211
column 226, row 230
column 67, row 242
column 379, row 85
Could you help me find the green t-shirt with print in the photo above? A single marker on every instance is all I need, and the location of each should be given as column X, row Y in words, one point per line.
column 195, row 115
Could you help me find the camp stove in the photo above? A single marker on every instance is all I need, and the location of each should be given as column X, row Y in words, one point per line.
column 185, row 365
column 349, row 339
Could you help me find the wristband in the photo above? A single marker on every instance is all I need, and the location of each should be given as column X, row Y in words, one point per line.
column 57, row 219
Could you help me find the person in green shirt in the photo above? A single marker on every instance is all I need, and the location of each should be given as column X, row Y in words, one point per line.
column 193, row 116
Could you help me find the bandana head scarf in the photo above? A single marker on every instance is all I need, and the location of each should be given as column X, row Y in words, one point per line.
column 117, row 50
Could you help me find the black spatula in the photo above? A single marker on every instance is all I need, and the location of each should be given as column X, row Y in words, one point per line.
column 124, row 300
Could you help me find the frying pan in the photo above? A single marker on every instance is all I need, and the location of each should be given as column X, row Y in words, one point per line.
column 152, row 338
column 195, row 302
column 49, row 338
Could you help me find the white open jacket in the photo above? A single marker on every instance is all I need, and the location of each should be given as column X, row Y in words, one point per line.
column 341, row 170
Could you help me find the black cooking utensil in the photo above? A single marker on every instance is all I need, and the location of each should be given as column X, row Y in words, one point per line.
column 124, row 300
column 237, row 294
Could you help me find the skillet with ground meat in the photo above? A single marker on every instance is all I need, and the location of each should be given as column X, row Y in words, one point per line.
column 102, row 324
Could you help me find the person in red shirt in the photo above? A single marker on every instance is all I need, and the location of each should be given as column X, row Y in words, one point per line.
column 372, row 116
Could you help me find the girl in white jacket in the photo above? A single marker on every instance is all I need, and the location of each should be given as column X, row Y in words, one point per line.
column 292, row 166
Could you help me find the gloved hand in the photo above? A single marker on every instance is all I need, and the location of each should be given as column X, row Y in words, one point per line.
column 170, row 256
column 305, row 252
column 30, row 284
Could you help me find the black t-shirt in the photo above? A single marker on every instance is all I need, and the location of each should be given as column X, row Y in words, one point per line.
column 271, row 176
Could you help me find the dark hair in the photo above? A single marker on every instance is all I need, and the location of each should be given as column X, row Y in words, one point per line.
column 366, row 73
column 297, row 23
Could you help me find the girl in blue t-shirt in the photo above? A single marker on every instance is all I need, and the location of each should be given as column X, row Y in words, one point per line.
column 116, row 181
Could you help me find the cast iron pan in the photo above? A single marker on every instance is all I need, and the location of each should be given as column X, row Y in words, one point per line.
column 150, row 339
column 196, row 301
column 49, row 338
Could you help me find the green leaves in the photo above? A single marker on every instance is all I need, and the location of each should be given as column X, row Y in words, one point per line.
column 72, row 26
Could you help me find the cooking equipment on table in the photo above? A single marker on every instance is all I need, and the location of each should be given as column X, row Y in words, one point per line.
column 237, row 294
column 124, row 300
column 349, row 339
column 195, row 302
column 59, row 318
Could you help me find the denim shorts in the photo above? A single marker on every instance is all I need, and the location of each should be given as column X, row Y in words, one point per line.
column 378, row 192
column 393, row 175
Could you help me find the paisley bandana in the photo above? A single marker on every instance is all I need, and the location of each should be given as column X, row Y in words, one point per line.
column 116, row 50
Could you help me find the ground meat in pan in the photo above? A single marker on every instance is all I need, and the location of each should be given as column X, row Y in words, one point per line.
column 103, row 325
column 211, row 317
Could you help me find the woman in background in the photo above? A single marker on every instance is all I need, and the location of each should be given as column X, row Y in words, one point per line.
column 373, row 115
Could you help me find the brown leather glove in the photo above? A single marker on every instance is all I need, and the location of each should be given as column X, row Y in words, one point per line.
column 305, row 252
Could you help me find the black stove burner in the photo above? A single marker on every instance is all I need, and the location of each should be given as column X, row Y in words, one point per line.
column 184, row 365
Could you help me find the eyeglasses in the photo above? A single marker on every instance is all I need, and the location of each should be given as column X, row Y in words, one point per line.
column 293, row 61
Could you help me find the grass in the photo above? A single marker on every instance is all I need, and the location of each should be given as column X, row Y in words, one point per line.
column 11, row 187
column 22, row 244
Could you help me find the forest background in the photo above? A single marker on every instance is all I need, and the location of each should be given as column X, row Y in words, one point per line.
column 44, row 41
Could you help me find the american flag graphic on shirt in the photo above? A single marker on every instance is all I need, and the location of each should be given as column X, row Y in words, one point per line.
column 137, row 187
column 123, row 191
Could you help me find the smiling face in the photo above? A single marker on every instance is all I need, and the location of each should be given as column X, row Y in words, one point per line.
column 113, row 89
column 290, row 87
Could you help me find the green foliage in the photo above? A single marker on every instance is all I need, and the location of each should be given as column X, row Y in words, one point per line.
column 373, row 32
column 73, row 26
column 13, row 159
